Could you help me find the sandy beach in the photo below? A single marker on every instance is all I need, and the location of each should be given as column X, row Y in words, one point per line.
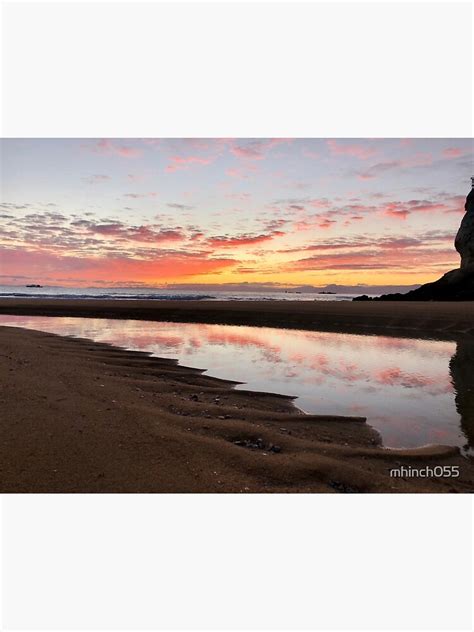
column 80, row 416
column 412, row 319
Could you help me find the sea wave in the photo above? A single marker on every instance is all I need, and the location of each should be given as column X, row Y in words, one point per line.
column 157, row 297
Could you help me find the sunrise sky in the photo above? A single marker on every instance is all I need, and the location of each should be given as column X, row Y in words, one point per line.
column 290, row 212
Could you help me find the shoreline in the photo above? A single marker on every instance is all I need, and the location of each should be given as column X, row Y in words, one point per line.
column 86, row 417
column 445, row 320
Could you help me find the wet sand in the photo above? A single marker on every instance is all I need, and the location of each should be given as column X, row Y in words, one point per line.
column 440, row 319
column 79, row 416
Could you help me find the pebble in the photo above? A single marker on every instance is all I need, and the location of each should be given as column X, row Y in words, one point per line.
column 258, row 444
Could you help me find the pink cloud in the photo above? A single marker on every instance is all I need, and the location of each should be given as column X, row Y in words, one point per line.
column 401, row 210
column 307, row 153
column 421, row 159
column 241, row 172
column 180, row 162
column 235, row 173
column 107, row 146
column 393, row 258
column 393, row 210
column 136, row 233
column 242, row 240
column 317, row 221
column 326, row 223
column 256, row 149
column 455, row 152
column 362, row 152
column 452, row 152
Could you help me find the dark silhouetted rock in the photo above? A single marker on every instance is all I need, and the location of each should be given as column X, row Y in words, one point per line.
column 464, row 241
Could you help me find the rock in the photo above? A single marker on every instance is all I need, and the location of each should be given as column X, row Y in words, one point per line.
column 464, row 241
column 256, row 444
column 275, row 448
column 194, row 398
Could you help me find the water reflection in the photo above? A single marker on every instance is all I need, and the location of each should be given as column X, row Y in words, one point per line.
column 413, row 391
column 461, row 367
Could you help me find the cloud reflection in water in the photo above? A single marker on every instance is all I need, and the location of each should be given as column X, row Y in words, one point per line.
column 414, row 392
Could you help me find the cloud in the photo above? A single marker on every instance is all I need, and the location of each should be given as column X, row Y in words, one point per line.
column 241, row 240
column 427, row 251
column 310, row 223
column 96, row 179
column 452, row 152
column 183, row 162
column 180, row 207
column 256, row 149
column 137, row 196
column 238, row 196
column 391, row 210
column 109, row 147
column 419, row 159
column 119, row 230
column 377, row 169
column 401, row 210
column 241, row 173
column 11, row 205
column 355, row 150
column 457, row 152
column 304, row 201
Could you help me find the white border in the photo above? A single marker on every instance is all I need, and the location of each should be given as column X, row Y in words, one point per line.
column 243, row 69
column 300, row 95
column 237, row 562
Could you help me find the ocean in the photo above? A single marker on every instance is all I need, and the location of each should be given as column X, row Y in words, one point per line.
column 156, row 294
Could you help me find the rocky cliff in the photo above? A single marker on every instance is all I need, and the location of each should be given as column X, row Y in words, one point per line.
column 464, row 242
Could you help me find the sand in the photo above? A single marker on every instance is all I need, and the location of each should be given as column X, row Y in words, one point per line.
column 440, row 319
column 78, row 416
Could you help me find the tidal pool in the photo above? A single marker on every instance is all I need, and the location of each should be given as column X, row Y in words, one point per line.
column 415, row 392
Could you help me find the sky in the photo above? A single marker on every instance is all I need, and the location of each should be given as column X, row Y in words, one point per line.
column 278, row 212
